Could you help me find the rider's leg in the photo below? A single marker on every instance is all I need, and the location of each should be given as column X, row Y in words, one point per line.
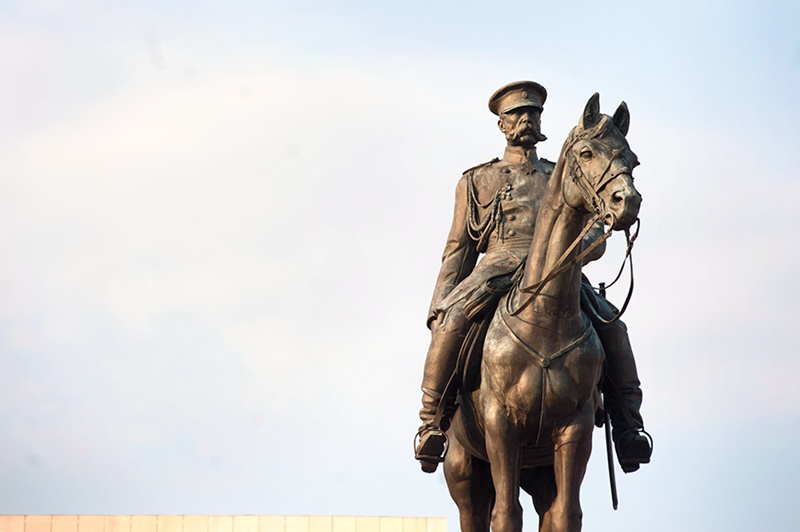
column 622, row 390
column 633, row 448
column 447, row 335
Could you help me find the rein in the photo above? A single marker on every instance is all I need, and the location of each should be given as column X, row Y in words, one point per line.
column 602, row 288
column 560, row 267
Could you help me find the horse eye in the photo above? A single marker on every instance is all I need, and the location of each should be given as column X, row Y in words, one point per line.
column 586, row 153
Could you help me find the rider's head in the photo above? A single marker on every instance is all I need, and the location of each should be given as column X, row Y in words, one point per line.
column 519, row 106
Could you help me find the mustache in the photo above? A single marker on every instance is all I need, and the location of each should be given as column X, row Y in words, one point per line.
column 526, row 129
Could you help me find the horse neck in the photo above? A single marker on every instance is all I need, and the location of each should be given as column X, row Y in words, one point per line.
column 557, row 227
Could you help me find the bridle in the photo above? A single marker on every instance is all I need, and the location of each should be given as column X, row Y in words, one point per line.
column 590, row 190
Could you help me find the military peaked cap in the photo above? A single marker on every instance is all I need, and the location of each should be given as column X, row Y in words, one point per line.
column 516, row 95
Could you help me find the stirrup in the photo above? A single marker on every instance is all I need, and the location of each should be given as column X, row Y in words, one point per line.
column 430, row 447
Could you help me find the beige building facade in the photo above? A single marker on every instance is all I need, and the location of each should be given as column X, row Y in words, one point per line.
column 218, row 523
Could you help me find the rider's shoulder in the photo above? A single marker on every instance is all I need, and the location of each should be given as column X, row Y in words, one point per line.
column 546, row 163
column 546, row 166
column 480, row 167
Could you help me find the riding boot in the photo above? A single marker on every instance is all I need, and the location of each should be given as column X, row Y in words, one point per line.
column 447, row 334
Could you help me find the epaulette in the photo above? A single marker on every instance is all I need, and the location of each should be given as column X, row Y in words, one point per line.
column 480, row 165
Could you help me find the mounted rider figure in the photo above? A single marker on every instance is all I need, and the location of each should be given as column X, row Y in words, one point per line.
column 496, row 206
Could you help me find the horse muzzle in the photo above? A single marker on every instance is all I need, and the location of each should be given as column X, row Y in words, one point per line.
column 622, row 207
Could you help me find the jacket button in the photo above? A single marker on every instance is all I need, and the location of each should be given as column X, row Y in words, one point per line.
column 512, row 233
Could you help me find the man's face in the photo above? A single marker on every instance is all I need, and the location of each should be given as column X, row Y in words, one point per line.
column 522, row 126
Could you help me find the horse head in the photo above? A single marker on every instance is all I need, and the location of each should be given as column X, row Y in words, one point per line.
column 599, row 163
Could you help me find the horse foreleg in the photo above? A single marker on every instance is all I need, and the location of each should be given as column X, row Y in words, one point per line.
column 470, row 483
column 503, row 449
column 573, row 446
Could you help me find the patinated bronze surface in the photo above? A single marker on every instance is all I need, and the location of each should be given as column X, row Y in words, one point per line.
column 528, row 374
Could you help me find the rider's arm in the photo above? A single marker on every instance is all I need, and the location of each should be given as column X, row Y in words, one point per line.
column 460, row 253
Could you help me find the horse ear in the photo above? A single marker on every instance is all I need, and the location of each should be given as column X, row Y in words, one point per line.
column 622, row 118
column 591, row 114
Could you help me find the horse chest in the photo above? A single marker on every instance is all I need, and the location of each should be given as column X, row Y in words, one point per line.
column 526, row 386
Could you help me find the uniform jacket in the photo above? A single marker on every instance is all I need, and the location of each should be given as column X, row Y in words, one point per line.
column 495, row 212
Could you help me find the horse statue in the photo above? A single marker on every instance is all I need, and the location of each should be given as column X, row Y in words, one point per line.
column 534, row 409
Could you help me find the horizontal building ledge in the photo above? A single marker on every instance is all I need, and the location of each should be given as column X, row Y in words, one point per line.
column 218, row 523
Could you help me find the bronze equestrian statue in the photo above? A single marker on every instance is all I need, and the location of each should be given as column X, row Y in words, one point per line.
column 528, row 405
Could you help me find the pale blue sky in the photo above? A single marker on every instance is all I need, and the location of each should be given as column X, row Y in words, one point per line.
column 221, row 226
